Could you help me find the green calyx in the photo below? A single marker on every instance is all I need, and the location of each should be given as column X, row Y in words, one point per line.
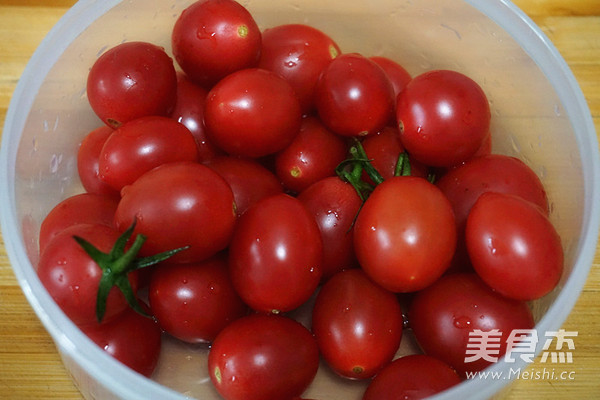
column 117, row 264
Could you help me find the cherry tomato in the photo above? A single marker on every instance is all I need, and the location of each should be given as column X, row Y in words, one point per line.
column 275, row 255
column 443, row 315
column 131, row 338
column 354, row 96
column 142, row 144
column 261, row 357
column 334, row 205
column 412, row 377
column 194, row 302
column 88, row 160
column 253, row 113
column 396, row 72
column 189, row 111
column 405, row 234
column 132, row 80
column 298, row 53
column 248, row 179
column 513, row 246
column 313, row 155
column 357, row 324
column 444, row 117
column 177, row 205
column 83, row 208
column 213, row 38
column 71, row 277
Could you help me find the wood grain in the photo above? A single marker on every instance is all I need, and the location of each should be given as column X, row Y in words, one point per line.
column 30, row 367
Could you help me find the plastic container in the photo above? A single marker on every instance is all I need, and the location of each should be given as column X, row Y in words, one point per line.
column 538, row 114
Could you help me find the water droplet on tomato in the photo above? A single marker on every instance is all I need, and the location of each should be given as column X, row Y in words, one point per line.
column 462, row 322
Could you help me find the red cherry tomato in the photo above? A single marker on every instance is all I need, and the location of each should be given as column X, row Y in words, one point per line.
column 83, row 208
column 443, row 315
column 178, row 205
column 71, row 277
column 412, row 377
column 248, row 179
column 405, row 234
column 189, row 111
column 88, row 160
column 253, row 113
column 357, row 324
column 298, row 53
column 334, row 205
column 213, row 38
column 354, row 96
column 313, row 155
column 396, row 72
column 263, row 357
column 444, row 117
column 513, row 246
column 131, row 338
column 142, row 144
column 194, row 302
column 275, row 255
column 132, row 80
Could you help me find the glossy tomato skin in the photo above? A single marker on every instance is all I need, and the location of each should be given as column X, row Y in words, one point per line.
column 252, row 113
column 88, row 162
column 131, row 338
column 354, row 96
column 444, row 117
column 275, row 255
column 357, row 324
column 412, row 377
column 262, row 357
column 513, row 246
column 141, row 145
column 334, row 205
column 298, row 53
column 398, row 75
column 313, row 155
column 189, row 111
column 405, row 234
column 442, row 316
column 249, row 180
column 194, row 302
column 83, row 208
column 214, row 38
column 132, row 80
column 177, row 205
column 71, row 277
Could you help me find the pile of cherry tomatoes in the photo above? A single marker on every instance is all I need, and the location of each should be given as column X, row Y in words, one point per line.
column 256, row 170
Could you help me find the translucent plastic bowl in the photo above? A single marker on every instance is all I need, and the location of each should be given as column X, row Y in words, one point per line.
column 538, row 114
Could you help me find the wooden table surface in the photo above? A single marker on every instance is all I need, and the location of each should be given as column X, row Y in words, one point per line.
column 30, row 368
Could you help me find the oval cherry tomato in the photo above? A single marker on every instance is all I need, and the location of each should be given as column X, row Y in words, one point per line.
column 444, row 117
column 262, row 357
column 298, row 53
column 443, row 316
column 253, row 113
column 357, row 324
column 178, row 205
column 405, row 234
column 142, row 144
column 412, row 377
column 313, row 155
column 88, row 161
column 354, row 96
column 334, row 205
column 214, row 38
column 131, row 338
column 513, row 246
column 83, row 208
column 71, row 277
column 132, row 80
column 194, row 302
column 275, row 255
